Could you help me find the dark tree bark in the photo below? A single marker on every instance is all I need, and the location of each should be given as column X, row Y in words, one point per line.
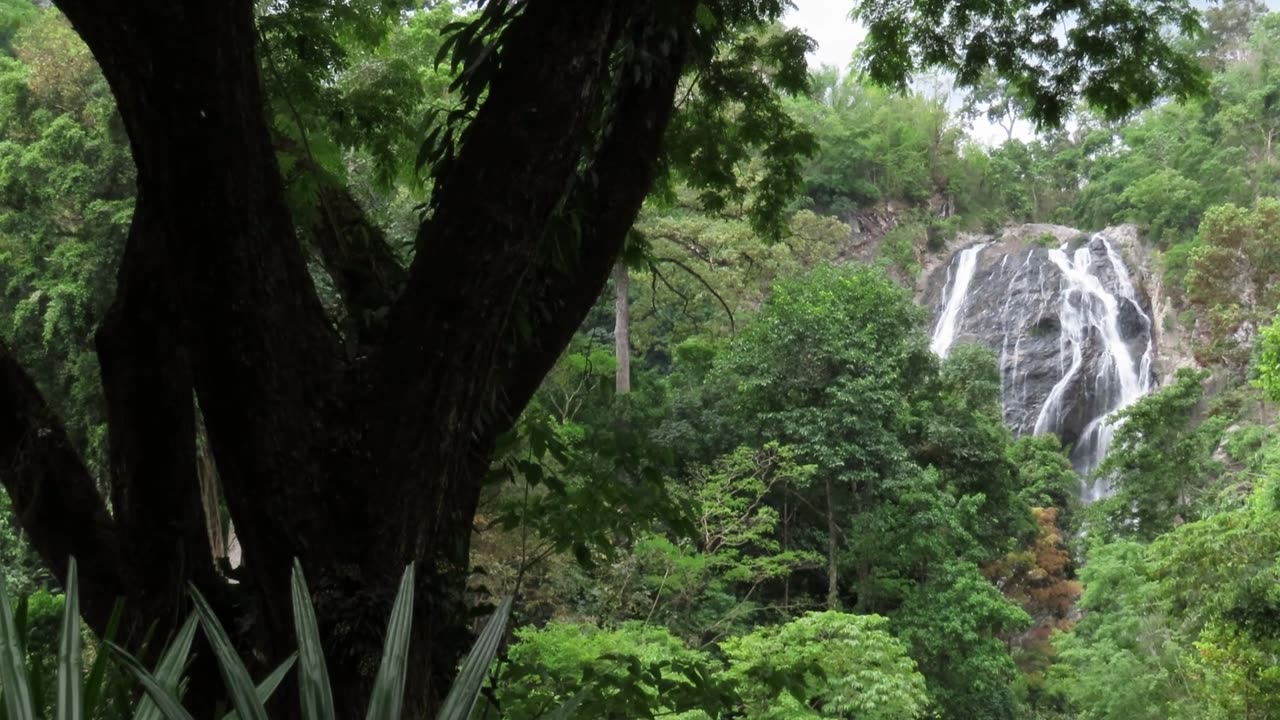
column 54, row 497
column 354, row 463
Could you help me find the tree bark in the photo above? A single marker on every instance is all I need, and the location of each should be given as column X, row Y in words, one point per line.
column 622, row 327
column 54, row 497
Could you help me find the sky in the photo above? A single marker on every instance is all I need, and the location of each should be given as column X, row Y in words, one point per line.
column 828, row 23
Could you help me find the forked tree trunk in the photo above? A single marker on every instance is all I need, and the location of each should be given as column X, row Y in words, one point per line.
column 354, row 466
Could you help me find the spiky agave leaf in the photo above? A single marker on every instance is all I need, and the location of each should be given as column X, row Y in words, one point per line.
column 314, row 690
column 244, row 696
column 388, row 688
column 166, row 703
column 13, row 670
column 70, row 701
column 465, row 691
column 169, row 670
column 98, row 670
column 269, row 684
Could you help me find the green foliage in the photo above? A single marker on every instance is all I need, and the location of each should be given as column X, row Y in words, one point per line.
column 953, row 623
column 911, row 477
column 818, row 665
column 1164, row 203
column 733, row 140
column 1268, row 362
column 1120, row 659
column 899, row 246
column 1022, row 46
column 1233, row 279
column 880, row 149
column 1045, row 240
column 587, row 672
column 846, row 666
column 66, row 197
column 710, row 584
column 1182, row 628
column 863, row 350
column 700, row 271
column 20, row 567
column 1160, row 460
column 1046, row 477
column 822, row 453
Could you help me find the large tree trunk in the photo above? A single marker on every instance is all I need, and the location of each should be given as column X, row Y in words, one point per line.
column 354, row 463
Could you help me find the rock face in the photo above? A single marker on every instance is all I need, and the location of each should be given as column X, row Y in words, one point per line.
column 1069, row 318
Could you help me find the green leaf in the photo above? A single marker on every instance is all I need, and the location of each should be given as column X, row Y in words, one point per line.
column 244, row 696
column 313, row 682
column 13, row 671
column 70, row 705
column 169, row 669
column 388, row 688
column 706, row 18
column 570, row 706
column 465, row 691
column 269, row 685
column 169, row 707
column 98, row 671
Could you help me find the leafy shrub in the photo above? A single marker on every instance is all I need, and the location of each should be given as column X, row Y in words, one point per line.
column 1268, row 362
column 826, row 664
column 163, row 686
column 591, row 672
column 898, row 248
column 1046, row 240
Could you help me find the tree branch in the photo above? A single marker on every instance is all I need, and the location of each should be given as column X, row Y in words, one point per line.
column 624, row 171
column 517, row 162
column 701, row 280
column 54, row 497
column 357, row 257
column 352, row 250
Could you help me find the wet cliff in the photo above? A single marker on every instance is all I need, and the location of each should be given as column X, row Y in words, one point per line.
column 1069, row 316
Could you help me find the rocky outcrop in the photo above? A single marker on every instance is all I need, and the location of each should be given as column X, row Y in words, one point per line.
column 1069, row 317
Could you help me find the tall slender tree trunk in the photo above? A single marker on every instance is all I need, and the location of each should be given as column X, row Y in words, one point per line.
column 622, row 327
column 833, row 545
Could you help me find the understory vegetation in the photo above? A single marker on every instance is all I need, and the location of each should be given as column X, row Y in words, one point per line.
column 746, row 488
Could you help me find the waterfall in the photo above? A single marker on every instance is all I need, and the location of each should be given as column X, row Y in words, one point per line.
column 954, row 294
column 1090, row 313
column 1069, row 331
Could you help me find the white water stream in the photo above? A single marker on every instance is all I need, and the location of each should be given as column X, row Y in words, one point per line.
column 955, row 292
column 1090, row 310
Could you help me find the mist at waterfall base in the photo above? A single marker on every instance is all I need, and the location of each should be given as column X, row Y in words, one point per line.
column 1074, row 342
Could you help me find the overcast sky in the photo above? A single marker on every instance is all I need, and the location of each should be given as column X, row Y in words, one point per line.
column 827, row 21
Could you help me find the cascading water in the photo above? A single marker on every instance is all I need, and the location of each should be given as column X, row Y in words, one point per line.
column 1091, row 313
column 1072, row 336
column 955, row 293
